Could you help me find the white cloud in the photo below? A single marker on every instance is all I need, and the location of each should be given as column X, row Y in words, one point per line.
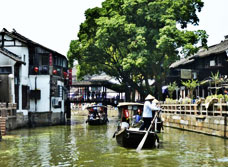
column 52, row 23
column 213, row 19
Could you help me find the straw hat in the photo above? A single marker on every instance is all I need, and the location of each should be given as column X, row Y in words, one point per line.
column 150, row 97
column 155, row 101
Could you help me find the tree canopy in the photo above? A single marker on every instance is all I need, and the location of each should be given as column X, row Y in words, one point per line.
column 136, row 40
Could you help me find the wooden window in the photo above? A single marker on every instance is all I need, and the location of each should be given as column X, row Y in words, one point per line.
column 45, row 60
column 5, row 70
column 219, row 62
column 64, row 63
column 212, row 63
column 60, row 91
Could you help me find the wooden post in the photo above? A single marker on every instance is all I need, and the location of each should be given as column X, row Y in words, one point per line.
column 225, row 124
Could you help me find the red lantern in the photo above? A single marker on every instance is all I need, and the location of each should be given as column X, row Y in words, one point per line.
column 50, row 59
column 65, row 74
column 36, row 69
column 55, row 72
column 70, row 76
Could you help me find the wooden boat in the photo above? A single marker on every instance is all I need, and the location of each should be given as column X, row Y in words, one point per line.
column 128, row 134
column 97, row 115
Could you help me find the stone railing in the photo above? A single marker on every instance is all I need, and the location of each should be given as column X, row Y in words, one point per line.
column 203, row 118
column 216, row 109
column 8, row 111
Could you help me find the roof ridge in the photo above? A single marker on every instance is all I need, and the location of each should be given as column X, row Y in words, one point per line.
column 14, row 32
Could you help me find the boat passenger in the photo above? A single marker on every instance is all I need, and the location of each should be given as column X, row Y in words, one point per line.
column 148, row 109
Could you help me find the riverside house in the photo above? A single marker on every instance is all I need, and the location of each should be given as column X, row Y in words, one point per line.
column 201, row 66
column 35, row 78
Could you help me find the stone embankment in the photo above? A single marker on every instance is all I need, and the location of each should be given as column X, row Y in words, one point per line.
column 198, row 118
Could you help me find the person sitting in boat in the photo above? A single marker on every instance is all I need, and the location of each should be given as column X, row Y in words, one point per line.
column 137, row 118
column 125, row 123
column 91, row 114
column 96, row 114
column 148, row 109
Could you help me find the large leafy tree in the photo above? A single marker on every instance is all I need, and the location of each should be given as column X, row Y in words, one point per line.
column 136, row 40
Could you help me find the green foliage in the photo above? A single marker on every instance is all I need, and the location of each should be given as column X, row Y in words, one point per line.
column 136, row 40
column 186, row 100
column 170, row 101
column 171, row 88
column 191, row 85
column 216, row 80
column 220, row 98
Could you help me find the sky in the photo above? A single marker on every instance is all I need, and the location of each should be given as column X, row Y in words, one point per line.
column 54, row 23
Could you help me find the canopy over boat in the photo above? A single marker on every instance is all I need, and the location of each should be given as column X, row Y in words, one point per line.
column 129, row 104
column 97, row 114
column 130, row 113
column 96, row 106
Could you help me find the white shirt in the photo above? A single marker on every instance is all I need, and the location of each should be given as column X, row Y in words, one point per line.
column 147, row 109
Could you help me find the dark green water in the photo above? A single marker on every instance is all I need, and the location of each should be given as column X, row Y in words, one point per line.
column 93, row 146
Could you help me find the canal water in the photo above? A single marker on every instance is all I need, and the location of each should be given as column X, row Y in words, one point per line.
column 81, row 145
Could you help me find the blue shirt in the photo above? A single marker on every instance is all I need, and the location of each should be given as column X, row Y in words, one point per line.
column 148, row 108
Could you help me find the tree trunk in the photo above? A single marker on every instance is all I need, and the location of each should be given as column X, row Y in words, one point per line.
column 127, row 94
column 158, row 88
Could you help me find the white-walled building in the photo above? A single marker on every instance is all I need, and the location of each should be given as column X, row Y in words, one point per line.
column 34, row 77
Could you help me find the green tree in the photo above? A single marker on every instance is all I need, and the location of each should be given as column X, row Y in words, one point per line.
column 216, row 80
column 136, row 40
column 171, row 88
column 191, row 86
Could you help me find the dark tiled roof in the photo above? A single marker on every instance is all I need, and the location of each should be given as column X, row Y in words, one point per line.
column 99, row 83
column 11, row 55
column 16, row 35
column 214, row 49
column 181, row 62
column 90, row 83
column 11, row 35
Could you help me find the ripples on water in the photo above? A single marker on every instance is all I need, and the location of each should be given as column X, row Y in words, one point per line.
column 93, row 146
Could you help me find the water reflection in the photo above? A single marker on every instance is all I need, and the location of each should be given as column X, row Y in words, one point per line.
column 84, row 145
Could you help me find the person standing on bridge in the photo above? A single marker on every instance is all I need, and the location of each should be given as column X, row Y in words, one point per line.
column 148, row 109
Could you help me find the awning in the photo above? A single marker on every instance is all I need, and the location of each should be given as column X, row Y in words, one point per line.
column 164, row 88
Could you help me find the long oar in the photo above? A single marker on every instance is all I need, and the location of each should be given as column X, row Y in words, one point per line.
column 145, row 136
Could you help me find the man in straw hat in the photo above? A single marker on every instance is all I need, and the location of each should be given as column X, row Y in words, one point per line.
column 149, row 106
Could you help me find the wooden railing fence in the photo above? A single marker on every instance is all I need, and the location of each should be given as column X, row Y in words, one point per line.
column 216, row 109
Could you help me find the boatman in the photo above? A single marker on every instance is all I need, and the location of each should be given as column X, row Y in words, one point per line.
column 148, row 109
